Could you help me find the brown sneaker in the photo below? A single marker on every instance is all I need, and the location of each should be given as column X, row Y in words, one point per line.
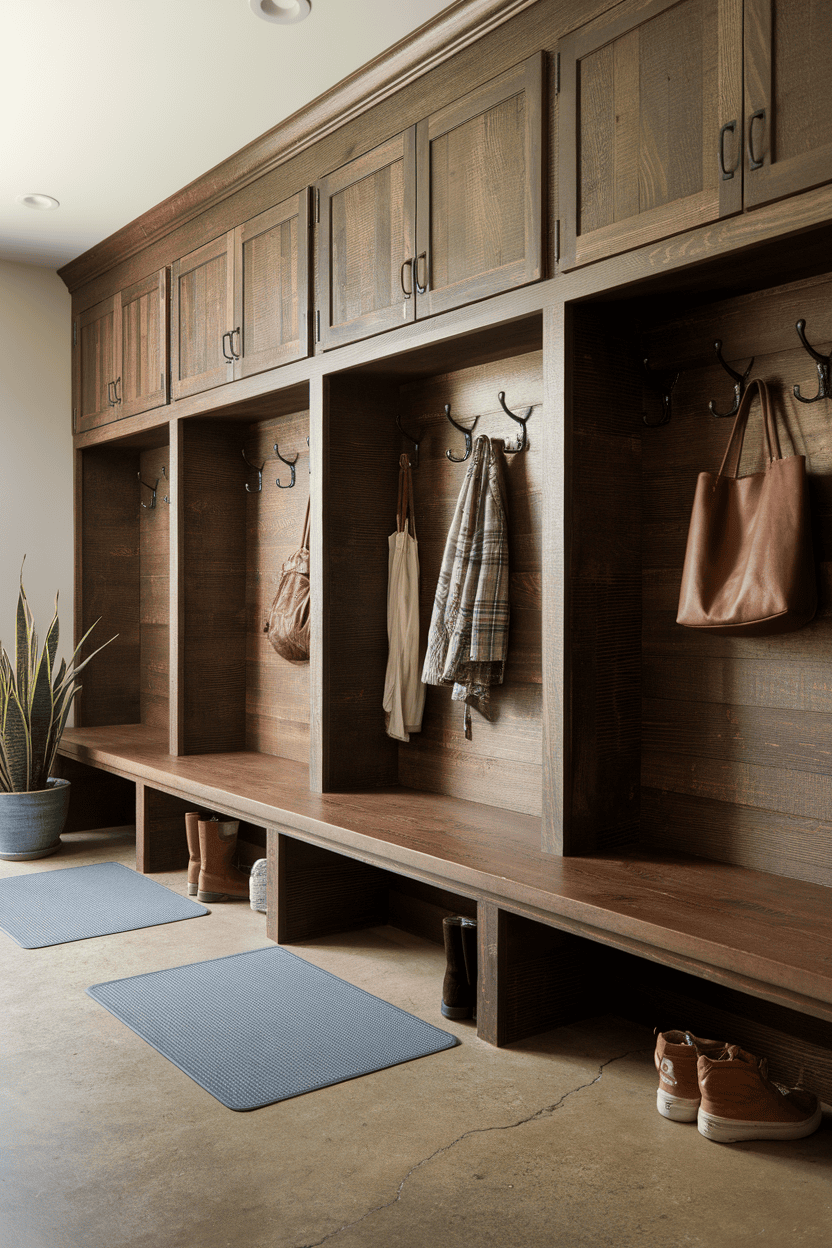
column 675, row 1057
column 739, row 1101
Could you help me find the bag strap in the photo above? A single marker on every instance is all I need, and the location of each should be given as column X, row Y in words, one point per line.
column 304, row 541
column 404, row 504
column 733, row 451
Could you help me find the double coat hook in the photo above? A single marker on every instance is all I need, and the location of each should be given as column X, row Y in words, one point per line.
column 740, row 380
column 291, row 465
column 151, row 506
column 414, row 462
column 460, row 459
column 522, row 421
column 822, row 363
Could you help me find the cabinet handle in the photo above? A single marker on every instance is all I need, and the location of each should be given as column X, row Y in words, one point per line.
column 727, row 173
column 229, row 359
column 408, row 294
column 235, row 354
column 760, row 115
column 421, row 290
column 111, row 385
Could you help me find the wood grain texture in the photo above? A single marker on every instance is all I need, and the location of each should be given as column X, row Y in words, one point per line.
column 479, row 207
column 110, row 586
column 154, row 601
column 501, row 765
column 213, row 577
column 675, row 910
column 358, row 513
column 276, row 691
column 736, row 728
column 161, row 844
column 145, row 328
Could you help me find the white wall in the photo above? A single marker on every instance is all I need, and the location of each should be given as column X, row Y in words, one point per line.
column 35, row 448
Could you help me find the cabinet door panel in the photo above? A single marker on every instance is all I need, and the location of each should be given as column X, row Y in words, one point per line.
column 272, row 286
column 788, row 79
column 645, row 92
column 366, row 237
column 144, row 345
column 97, row 361
column 202, row 313
column 479, row 192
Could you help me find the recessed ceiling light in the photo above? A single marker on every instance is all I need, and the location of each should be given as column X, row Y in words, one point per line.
column 284, row 11
column 41, row 202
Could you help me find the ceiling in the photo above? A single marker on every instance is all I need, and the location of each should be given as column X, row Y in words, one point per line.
column 112, row 106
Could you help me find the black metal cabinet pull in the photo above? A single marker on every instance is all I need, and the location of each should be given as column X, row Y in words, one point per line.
column 421, row 290
column 236, row 354
column 229, row 359
column 753, row 162
column 111, row 401
column 727, row 173
column 408, row 294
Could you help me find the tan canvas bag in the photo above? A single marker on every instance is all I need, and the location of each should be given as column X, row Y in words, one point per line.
column 288, row 622
column 749, row 568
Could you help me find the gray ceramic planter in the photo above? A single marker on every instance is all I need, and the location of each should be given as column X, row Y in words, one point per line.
column 31, row 823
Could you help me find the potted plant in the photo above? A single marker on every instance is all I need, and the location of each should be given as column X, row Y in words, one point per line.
column 34, row 705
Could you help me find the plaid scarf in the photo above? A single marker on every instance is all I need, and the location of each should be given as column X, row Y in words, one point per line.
column 468, row 635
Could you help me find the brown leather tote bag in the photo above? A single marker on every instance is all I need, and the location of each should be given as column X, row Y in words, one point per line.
column 288, row 622
column 749, row 568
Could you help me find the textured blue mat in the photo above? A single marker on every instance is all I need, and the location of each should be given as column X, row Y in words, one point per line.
column 75, row 903
column 255, row 1028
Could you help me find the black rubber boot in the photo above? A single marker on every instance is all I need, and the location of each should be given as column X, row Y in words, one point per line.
column 457, row 998
column 469, row 952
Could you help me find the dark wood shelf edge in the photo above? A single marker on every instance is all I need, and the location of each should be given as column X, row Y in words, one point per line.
column 801, row 983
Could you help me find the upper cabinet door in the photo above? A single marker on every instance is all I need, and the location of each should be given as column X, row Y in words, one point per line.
column 367, row 216
column 788, row 97
column 204, row 334
column 649, row 125
column 97, row 365
column 479, row 192
column 143, row 316
column 272, row 287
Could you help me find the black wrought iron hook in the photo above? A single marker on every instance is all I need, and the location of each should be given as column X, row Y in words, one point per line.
column 291, row 465
column 259, row 472
column 415, row 461
column 522, row 440
column 460, row 459
column 659, row 382
column 739, row 382
column 822, row 362
column 151, row 506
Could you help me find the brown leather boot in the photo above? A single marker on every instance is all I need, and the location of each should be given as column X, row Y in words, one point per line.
column 458, row 999
column 194, row 859
column 219, row 879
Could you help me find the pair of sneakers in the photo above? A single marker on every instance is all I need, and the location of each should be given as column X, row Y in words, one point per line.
column 727, row 1092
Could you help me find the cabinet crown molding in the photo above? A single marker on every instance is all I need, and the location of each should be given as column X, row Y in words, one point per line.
column 424, row 49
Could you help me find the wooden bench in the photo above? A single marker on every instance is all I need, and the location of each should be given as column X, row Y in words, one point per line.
column 677, row 942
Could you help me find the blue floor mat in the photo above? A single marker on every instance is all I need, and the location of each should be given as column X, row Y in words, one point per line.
column 75, row 903
column 259, row 1027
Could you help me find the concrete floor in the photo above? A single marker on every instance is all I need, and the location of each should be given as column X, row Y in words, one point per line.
column 552, row 1142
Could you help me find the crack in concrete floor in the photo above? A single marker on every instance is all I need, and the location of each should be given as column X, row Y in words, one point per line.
column 543, row 1112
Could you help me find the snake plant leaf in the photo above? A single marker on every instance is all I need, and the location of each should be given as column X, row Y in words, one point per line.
column 17, row 745
column 41, row 710
column 58, row 725
column 51, row 646
column 75, row 671
column 23, row 646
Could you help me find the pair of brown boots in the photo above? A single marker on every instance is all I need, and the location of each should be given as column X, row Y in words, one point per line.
column 727, row 1092
column 212, row 844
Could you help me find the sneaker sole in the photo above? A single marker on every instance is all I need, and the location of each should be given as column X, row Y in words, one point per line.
column 676, row 1108
column 729, row 1130
column 214, row 897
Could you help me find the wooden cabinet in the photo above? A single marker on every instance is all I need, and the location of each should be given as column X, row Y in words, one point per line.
column 120, row 354
column 788, row 97
column 479, row 196
column 367, row 235
column 240, row 302
column 443, row 214
column 648, row 94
